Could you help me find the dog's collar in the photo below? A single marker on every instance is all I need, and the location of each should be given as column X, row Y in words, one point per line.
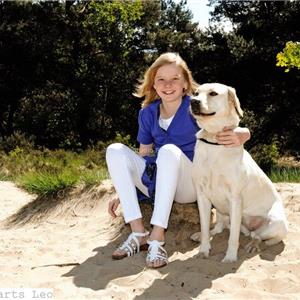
column 208, row 142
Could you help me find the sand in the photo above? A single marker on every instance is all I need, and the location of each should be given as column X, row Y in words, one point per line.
column 65, row 244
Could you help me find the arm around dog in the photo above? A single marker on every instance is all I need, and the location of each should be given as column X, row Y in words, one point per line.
column 233, row 137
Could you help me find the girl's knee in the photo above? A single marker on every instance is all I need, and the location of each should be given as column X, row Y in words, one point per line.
column 115, row 150
column 169, row 151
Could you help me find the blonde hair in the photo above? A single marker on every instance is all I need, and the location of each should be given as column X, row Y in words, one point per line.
column 146, row 89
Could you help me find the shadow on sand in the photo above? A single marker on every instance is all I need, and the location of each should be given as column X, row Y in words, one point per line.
column 183, row 278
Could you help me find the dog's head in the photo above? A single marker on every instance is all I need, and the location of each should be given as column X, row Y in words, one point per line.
column 215, row 106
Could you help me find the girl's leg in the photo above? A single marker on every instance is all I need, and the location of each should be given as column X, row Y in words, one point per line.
column 126, row 168
column 185, row 191
column 173, row 181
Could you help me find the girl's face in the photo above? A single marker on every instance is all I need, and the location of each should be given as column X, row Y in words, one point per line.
column 169, row 83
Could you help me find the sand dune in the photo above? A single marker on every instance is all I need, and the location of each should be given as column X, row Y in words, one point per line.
column 65, row 244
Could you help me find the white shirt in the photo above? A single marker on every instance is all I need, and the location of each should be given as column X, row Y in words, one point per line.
column 164, row 123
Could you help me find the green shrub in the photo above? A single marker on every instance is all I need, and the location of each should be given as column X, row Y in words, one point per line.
column 119, row 138
column 16, row 140
column 50, row 112
column 265, row 155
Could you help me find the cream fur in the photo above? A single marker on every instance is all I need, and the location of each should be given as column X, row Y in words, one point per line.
column 230, row 179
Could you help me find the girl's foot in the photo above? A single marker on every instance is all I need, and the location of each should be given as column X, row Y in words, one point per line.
column 157, row 256
column 136, row 242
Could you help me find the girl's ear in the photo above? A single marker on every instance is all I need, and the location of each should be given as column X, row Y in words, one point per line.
column 185, row 86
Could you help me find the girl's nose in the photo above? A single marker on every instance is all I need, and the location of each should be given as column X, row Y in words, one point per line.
column 168, row 82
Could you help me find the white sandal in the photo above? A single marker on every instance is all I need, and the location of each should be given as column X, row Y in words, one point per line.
column 132, row 245
column 156, row 252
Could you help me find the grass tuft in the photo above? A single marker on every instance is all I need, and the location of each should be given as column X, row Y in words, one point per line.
column 285, row 174
column 47, row 183
column 3, row 176
column 90, row 178
column 48, row 172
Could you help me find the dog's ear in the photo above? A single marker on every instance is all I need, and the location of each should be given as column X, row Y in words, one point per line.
column 235, row 100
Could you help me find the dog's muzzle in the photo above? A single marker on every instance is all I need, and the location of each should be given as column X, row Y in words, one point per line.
column 196, row 106
column 196, row 109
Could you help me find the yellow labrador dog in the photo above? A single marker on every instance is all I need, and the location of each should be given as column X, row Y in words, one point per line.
column 230, row 179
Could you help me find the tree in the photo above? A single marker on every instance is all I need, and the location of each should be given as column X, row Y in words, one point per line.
column 253, row 45
column 81, row 50
column 34, row 52
column 290, row 57
column 70, row 68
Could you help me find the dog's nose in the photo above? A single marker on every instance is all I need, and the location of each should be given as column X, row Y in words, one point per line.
column 195, row 106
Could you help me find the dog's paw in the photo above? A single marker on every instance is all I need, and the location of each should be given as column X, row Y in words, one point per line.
column 229, row 258
column 253, row 246
column 204, row 250
column 196, row 237
column 201, row 255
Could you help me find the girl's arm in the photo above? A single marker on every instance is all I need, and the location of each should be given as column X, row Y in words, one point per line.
column 230, row 137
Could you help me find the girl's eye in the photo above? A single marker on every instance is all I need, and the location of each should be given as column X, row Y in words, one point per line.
column 213, row 94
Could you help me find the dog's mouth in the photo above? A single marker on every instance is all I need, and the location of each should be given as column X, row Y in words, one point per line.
column 200, row 113
column 207, row 114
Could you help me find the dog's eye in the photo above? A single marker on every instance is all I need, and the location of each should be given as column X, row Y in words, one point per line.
column 196, row 94
column 213, row 94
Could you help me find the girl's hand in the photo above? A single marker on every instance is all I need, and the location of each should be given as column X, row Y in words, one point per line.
column 146, row 150
column 112, row 206
column 233, row 137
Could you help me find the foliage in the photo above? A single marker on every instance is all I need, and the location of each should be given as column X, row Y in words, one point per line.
column 47, row 171
column 50, row 113
column 285, row 174
column 69, row 68
column 3, row 176
column 266, row 155
column 251, row 48
column 47, row 183
column 290, row 57
column 17, row 140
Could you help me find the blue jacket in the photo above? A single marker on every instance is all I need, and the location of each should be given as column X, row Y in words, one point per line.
column 181, row 132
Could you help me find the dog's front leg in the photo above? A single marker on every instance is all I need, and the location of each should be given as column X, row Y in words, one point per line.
column 235, row 226
column 204, row 206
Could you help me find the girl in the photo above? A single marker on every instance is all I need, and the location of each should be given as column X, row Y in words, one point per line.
column 162, row 170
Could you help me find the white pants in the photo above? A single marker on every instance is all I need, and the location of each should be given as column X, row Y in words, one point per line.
column 173, row 181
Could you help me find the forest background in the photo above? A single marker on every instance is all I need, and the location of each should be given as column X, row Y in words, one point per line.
column 68, row 70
